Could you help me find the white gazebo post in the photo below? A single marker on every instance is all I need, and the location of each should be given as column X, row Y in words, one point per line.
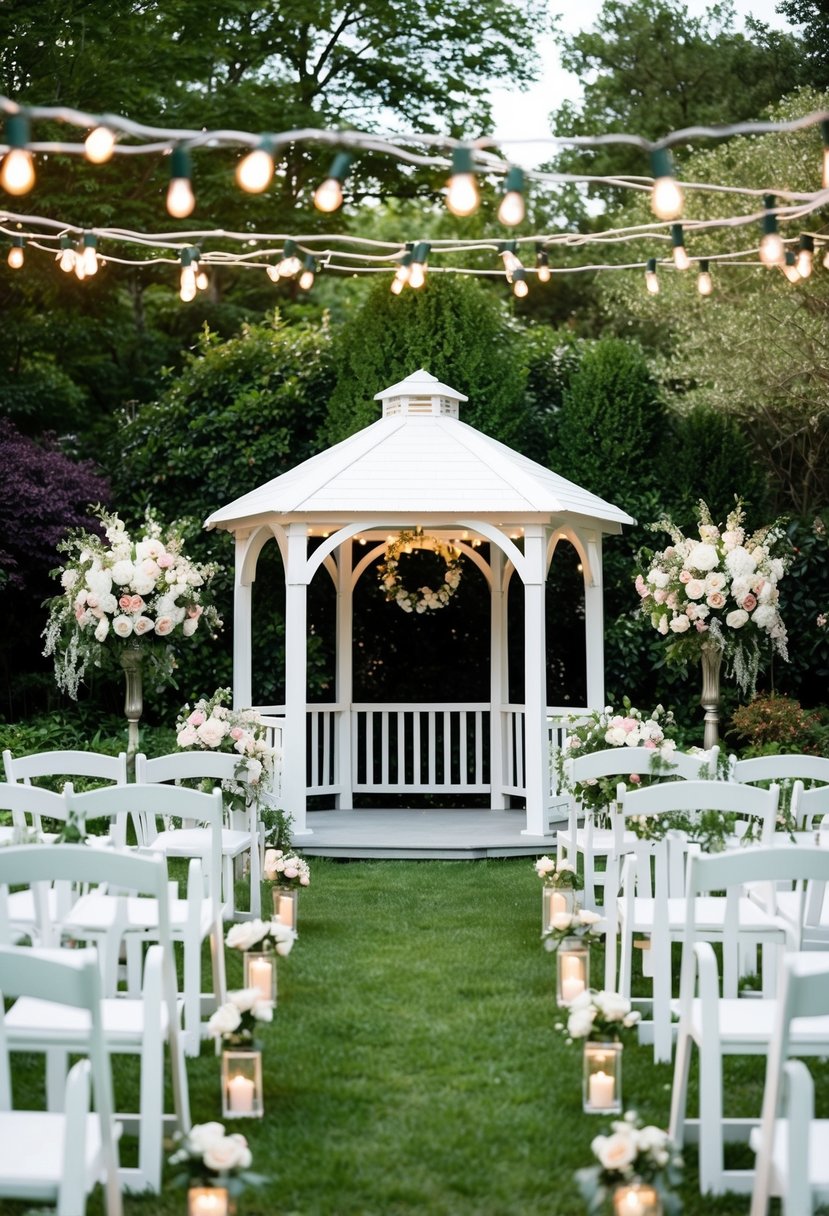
column 594, row 621
column 497, row 678
column 242, row 617
column 536, row 760
column 294, row 788
column 345, row 673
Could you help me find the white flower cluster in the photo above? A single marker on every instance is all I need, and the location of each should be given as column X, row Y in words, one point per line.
column 209, row 1144
column 593, row 1014
column 213, row 726
column 424, row 599
column 240, row 1011
column 555, row 873
column 264, row 934
column 631, row 1149
column 286, row 868
column 719, row 584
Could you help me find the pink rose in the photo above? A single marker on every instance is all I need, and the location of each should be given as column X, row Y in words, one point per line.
column 650, row 744
column 125, row 603
column 701, row 626
column 92, row 600
column 196, row 718
column 304, row 881
column 80, row 613
column 236, row 733
column 749, row 603
column 684, row 576
column 660, row 595
column 195, row 610
column 629, row 724
column 143, row 625
column 136, row 603
column 635, row 779
column 165, row 561
column 164, row 625
column 290, row 871
column 715, row 600
column 641, row 586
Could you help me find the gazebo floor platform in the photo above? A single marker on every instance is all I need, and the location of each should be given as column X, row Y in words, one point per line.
column 417, row 835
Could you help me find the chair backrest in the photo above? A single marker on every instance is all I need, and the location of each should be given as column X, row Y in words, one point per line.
column 698, row 796
column 66, row 764
column 782, row 767
column 178, row 766
column 70, row 980
column 30, row 805
column 809, row 806
column 622, row 761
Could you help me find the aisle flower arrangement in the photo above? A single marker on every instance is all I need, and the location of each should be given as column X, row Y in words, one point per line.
column 209, row 1157
column 599, row 730
column 237, row 1020
column 642, row 1161
column 559, row 875
column 213, row 725
column 600, row 1016
column 720, row 586
column 286, row 869
column 582, row 923
column 120, row 592
column 268, row 936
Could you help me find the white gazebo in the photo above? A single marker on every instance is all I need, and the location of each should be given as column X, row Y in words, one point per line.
column 418, row 466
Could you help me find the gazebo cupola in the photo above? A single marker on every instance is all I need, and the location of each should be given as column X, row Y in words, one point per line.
column 418, row 467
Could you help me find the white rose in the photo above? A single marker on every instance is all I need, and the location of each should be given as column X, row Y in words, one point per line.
column 142, row 584
column 764, row 616
column 99, row 581
column 262, row 1010
column 102, row 629
column 212, row 732
column 187, row 736
column 226, row 1155
column 254, row 771
column 740, row 588
column 544, row 865
column 245, row 998
column 739, row 561
column 776, row 568
column 245, row 934
column 680, row 624
column 695, row 588
column 589, row 918
column 715, row 581
column 658, row 578
column 108, row 603
column 617, row 1151
column 225, row 1020
column 737, row 618
column 68, row 579
column 202, row 1135
column 561, row 921
column 651, row 1137
column 662, row 627
column 122, row 625
column 123, row 572
column 616, row 737
column 613, row 1006
column 580, row 1023
column 732, row 539
column 190, row 626
column 702, row 557
column 142, row 625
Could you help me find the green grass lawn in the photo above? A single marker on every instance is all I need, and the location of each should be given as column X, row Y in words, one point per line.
column 413, row 1065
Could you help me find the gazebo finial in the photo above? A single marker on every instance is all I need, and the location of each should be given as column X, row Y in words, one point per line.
column 420, row 394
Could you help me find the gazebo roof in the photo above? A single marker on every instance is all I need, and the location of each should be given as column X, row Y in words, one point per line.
column 419, row 458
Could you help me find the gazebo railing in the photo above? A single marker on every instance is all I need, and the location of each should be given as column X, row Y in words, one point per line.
column 420, row 748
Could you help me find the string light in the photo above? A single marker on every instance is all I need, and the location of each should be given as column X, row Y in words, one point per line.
column 254, row 171
column 789, row 267
column 512, row 210
column 187, row 279
column 66, row 257
column 328, row 196
column 805, row 254
column 273, row 274
column 519, row 283
column 510, row 259
column 462, row 198
column 290, row 264
column 772, row 250
column 16, row 256
column 309, row 271
column 681, row 259
column 180, row 197
column 90, row 253
column 402, row 274
column 420, row 259
column 542, row 263
column 651, row 279
column 99, row 145
column 667, row 199
column 17, row 173
column 704, row 284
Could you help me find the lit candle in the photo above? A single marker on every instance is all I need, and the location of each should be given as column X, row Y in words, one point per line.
column 260, row 976
column 240, row 1091
column 558, row 903
column 285, row 915
column 207, row 1201
column 571, row 987
column 601, row 1089
column 636, row 1200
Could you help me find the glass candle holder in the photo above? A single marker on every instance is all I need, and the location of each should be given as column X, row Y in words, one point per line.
column 572, row 970
column 242, row 1096
column 208, row 1201
column 555, row 901
column 636, row 1199
column 260, row 972
column 286, row 906
column 602, row 1078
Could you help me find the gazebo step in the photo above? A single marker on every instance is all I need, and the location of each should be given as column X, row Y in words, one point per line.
column 421, row 835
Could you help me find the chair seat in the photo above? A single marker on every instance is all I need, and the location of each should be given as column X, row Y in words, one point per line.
column 709, row 916
column 31, row 1152
column 195, row 842
column 818, row 1151
column 30, row 1019
column 96, row 913
column 748, row 1024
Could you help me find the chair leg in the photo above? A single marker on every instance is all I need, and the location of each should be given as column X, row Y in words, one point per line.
column 57, row 1064
column 679, row 1091
column 228, row 882
column 192, row 996
column 711, row 1119
column 255, row 884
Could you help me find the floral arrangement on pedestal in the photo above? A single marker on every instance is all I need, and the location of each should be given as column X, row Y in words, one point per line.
column 599, row 730
column 639, row 1159
column 213, row 725
column 212, row 1158
column 719, row 587
column 424, row 599
column 600, row 1016
column 286, row 869
column 120, row 593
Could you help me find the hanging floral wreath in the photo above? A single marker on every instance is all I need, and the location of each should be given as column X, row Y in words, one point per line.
column 424, row 599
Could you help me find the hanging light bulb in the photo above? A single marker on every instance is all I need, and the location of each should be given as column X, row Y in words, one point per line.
column 80, row 269
column 16, row 256
column 187, row 279
column 402, row 274
column 667, row 199
column 99, row 145
column 328, row 195
column 309, row 272
column 805, row 254
column 681, row 259
column 519, row 283
column 417, row 271
column 202, row 281
column 273, row 274
column 180, row 197
column 772, row 250
column 17, row 173
column 651, row 279
column 824, row 130
column 290, row 264
column 542, row 264
column 704, row 283
column 67, row 255
column 254, row 171
column 462, row 198
column 512, row 210
column 90, row 254
column 789, row 267
column 511, row 262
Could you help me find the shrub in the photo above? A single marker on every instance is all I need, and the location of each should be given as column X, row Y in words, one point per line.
column 772, row 724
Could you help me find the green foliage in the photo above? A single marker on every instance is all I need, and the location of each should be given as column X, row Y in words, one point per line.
column 772, row 724
column 451, row 327
column 804, row 597
column 712, row 459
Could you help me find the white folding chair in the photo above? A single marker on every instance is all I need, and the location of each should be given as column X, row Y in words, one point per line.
column 59, row 1156
column 67, row 765
column 727, row 1024
column 240, row 834
column 810, row 812
column 591, row 843
column 197, row 915
column 139, row 1025
column 792, row 1150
